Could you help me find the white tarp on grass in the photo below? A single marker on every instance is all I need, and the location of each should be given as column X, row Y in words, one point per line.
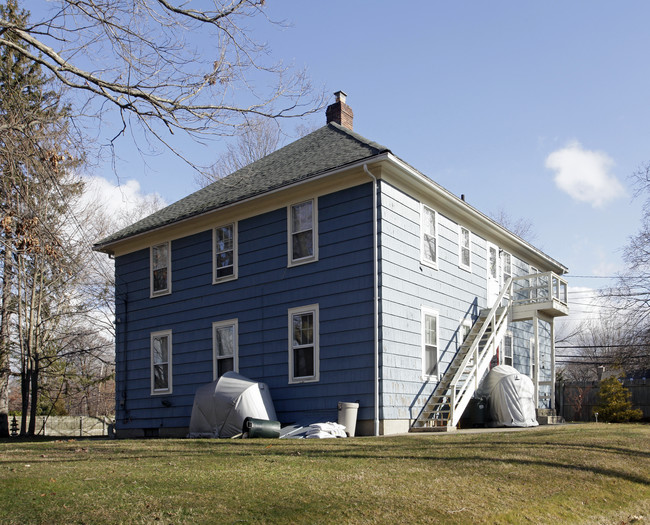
column 511, row 397
column 220, row 407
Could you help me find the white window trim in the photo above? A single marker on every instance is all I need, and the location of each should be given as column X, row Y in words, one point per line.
column 169, row 389
column 502, row 269
column 314, row 309
column 512, row 349
column 532, row 358
column 423, row 259
column 467, row 267
column 167, row 290
column 314, row 228
column 498, row 275
column 503, row 254
column 235, row 254
column 425, row 311
column 235, row 350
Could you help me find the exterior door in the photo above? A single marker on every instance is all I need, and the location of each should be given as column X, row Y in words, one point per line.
column 493, row 274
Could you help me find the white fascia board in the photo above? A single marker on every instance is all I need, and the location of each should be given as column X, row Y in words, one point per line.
column 236, row 211
column 463, row 213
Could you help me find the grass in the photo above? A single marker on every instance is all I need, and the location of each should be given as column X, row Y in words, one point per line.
column 593, row 473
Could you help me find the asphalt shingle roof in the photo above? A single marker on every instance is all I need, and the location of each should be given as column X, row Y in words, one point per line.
column 327, row 148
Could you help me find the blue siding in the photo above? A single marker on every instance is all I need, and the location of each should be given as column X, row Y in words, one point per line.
column 340, row 282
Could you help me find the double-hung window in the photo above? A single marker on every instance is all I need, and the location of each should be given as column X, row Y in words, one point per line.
column 507, row 349
column 161, row 362
column 430, row 355
column 532, row 359
column 303, row 232
column 225, row 347
column 506, row 266
column 429, row 240
column 303, row 344
column 160, row 263
column 464, row 248
column 224, row 240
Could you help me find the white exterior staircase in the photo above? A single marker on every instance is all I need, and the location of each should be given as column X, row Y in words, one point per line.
column 446, row 405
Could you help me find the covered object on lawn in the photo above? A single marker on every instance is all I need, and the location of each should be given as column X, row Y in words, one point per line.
column 220, row 407
column 511, row 397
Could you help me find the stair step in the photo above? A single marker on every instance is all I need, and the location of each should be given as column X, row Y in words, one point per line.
column 458, row 380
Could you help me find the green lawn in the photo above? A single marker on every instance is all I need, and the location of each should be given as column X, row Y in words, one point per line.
column 592, row 473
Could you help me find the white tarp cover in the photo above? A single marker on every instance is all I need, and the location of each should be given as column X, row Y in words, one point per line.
column 510, row 396
column 220, row 407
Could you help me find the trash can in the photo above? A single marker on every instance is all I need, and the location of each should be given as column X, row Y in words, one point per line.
column 478, row 412
column 348, row 417
column 261, row 428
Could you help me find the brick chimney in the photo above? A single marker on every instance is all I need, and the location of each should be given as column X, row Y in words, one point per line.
column 340, row 112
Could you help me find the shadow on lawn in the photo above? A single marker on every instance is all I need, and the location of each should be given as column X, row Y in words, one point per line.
column 450, row 460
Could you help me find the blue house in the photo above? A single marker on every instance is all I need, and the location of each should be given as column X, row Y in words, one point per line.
column 331, row 270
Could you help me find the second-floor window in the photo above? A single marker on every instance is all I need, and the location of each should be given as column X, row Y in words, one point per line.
column 225, row 252
column 303, row 234
column 429, row 239
column 465, row 250
column 506, row 266
column 160, row 269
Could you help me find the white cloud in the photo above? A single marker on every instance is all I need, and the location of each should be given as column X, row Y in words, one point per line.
column 122, row 203
column 585, row 175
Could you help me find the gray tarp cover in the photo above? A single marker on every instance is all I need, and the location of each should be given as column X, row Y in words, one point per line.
column 511, row 397
column 220, row 407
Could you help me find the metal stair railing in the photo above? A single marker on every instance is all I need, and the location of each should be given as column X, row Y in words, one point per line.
column 451, row 396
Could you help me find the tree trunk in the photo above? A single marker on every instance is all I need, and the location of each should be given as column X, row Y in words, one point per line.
column 34, row 398
column 25, row 377
column 5, row 370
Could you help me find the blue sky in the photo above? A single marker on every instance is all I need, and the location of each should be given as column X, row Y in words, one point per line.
column 495, row 100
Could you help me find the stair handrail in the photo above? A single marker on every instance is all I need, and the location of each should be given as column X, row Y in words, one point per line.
column 475, row 343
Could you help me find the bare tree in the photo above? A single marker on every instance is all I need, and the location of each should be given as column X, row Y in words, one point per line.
column 164, row 65
column 258, row 139
column 631, row 294
column 523, row 228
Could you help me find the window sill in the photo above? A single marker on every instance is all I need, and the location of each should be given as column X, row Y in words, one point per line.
column 299, row 381
column 224, row 279
column 300, row 262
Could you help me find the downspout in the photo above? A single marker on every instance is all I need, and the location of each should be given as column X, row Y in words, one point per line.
column 375, row 261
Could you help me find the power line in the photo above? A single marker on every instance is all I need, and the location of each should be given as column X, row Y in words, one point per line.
column 569, row 347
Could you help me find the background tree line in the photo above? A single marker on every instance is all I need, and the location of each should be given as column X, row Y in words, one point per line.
column 617, row 340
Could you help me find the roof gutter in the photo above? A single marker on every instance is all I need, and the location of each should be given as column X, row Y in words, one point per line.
column 472, row 212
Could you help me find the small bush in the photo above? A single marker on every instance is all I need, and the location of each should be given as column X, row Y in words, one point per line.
column 615, row 404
